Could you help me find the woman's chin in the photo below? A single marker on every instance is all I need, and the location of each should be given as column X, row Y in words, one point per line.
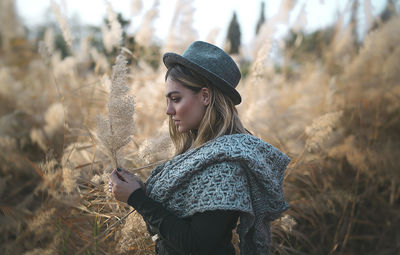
column 182, row 129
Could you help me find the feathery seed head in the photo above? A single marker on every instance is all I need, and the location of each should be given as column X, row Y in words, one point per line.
column 115, row 130
column 111, row 36
column 320, row 130
column 69, row 179
column 62, row 21
column 136, row 7
column 54, row 118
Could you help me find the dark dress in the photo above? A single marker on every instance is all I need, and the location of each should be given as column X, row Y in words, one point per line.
column 209, row 232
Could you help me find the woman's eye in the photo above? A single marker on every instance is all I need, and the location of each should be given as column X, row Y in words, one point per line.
column 175, row 99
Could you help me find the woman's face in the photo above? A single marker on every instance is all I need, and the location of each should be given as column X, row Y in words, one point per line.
column 186, row 107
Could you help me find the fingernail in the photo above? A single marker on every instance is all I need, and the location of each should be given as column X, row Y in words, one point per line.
column 118, row 169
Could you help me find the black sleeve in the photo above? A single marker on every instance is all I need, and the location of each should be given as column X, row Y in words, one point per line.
column 198, row 234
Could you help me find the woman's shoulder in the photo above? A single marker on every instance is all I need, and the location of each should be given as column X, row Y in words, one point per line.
column 247, row 146
column 243, row 141
column 238, row 138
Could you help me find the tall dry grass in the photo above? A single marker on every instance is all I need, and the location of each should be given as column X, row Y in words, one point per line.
column 335, row 112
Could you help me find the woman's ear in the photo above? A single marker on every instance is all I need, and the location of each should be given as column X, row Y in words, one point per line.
column 205, row 95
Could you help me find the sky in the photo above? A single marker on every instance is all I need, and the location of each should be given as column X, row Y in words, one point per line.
column 209, row 14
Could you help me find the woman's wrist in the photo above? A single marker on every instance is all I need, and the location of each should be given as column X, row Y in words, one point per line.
column 136, row 198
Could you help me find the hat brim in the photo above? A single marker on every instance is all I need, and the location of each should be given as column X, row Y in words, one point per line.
column 170, row 59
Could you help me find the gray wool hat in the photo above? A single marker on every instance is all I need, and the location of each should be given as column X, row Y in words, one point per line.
column 211, row 62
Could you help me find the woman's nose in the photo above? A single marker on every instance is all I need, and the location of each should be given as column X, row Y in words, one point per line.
column 170, row 109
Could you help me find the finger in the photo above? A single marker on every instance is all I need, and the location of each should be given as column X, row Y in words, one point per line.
column 122, row 178
column 124, row 174
column 114, row 177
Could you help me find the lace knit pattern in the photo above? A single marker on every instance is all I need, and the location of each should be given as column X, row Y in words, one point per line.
column 233, row 172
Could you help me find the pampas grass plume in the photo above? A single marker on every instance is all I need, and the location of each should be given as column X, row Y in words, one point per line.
column 181, row 32
column 54, row 118
column 136, row 7
column 62, row 21
column 115, row 130
column 320, row 130
column 145, row 34
column 69, row 179
column 111, row 36
column 41, row 219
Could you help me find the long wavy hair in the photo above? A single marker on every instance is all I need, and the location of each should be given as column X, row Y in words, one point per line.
column 221, row 116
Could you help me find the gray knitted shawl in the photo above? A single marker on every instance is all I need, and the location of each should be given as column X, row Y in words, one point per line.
column 233, row 172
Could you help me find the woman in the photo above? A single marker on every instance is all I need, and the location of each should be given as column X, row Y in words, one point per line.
column 220, row 173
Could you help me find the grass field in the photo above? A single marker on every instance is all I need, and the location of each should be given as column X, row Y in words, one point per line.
column 332, row 103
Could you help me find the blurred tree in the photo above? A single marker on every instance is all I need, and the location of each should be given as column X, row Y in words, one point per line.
column 354, row 22
column 61, row 45
column 387, row 13
column 300, row 45
column 233, row 36
column 261, row 19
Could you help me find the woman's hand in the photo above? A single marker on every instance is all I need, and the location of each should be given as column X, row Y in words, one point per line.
column 124, row 183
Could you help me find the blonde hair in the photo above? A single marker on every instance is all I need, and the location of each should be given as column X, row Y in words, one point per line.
column 221, row 117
